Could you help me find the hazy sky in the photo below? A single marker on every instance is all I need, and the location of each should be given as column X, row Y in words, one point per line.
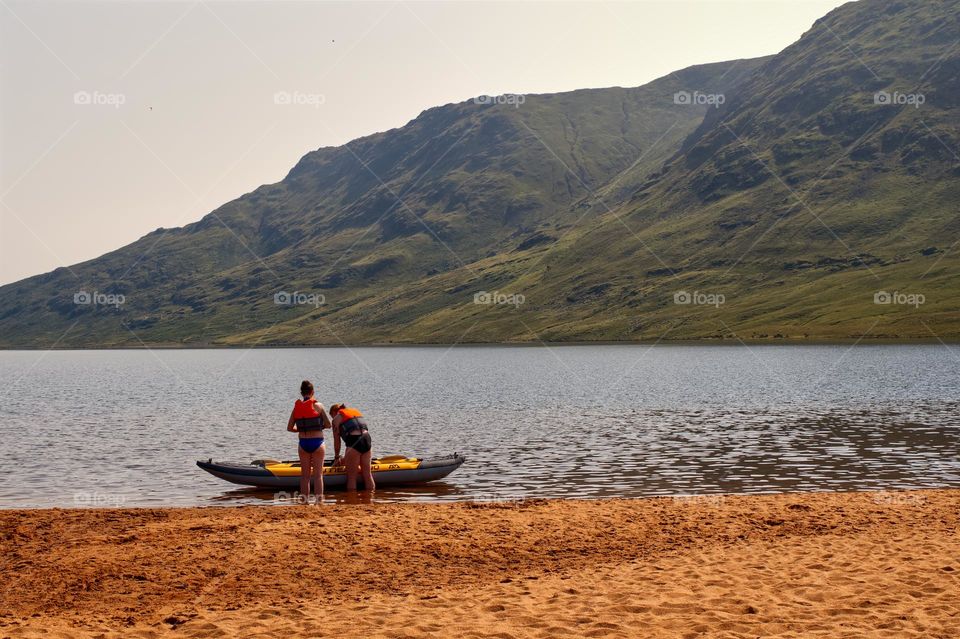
column 117, row 118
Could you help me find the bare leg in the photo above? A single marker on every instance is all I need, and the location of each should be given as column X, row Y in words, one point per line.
column 316, row 458
column 368, row 483
column 304, row 473
column 351, row 459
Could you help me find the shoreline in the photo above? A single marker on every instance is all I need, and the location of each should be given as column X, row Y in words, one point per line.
column 337, row 498
column 788, row 564
column 799, row 342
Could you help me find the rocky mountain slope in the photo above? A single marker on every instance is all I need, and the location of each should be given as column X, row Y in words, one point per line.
column 812, row 194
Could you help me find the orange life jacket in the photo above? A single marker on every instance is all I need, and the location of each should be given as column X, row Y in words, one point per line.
column 306, row 415
column 349, row 413
column 351, row 419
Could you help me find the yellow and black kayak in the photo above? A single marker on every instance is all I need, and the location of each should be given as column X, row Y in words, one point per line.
column 393, row 470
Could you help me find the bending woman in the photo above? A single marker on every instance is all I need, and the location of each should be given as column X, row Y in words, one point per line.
column 348, row 425
column 308, row 419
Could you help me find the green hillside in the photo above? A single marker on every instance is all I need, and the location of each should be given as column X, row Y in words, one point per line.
column 354, row 223
column 788, row 197
column 799, row 204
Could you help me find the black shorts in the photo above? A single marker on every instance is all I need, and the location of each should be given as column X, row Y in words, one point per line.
column 360, row 443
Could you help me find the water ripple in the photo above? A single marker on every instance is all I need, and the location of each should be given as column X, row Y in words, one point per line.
column 124, row 427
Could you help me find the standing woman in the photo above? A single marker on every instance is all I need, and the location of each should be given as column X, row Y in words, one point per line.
column 308, row 419
column 348, row 425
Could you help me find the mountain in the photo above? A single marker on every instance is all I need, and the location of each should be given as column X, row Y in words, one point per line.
column 811, row 194
column 488, row 176
column 819, row 200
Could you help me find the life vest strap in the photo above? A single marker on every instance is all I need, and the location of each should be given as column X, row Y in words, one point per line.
column 352, row 424
column 309, row 423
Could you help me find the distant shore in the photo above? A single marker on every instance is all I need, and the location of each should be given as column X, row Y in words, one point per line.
column 825, row 564
column 847, row 341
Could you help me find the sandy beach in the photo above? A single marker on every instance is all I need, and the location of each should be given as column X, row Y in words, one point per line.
column 796, row 565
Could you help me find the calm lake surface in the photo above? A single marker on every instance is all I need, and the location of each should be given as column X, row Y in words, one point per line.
column 83, row 428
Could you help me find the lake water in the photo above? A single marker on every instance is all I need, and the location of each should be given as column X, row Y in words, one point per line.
column 125, row 427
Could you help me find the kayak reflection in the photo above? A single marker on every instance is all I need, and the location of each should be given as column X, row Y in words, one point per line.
column 436, row 491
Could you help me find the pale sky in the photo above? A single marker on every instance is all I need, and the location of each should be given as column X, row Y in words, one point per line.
column 182, row 115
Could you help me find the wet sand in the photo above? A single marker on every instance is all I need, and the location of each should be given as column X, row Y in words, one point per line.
column 797, row 565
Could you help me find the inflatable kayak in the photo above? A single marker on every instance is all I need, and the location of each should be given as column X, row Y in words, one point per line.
column 394, row 470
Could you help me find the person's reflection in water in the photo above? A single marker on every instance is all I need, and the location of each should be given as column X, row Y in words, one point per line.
column 353, row 497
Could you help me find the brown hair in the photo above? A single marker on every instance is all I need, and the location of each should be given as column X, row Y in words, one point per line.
column 306, row 388
column 335, row 408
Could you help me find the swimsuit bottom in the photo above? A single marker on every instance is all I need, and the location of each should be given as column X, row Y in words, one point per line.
column 311, row 444
column 360, row 443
